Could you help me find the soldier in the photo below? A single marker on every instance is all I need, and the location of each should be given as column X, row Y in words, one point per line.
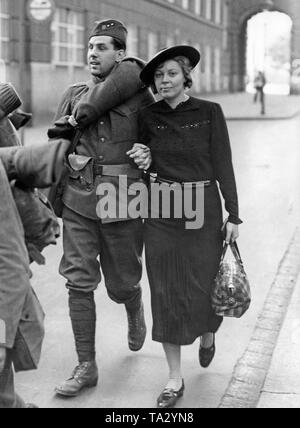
column 113, row 97
column 21, row 316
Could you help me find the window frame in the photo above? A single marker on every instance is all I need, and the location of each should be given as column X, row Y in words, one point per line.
column 72, row 28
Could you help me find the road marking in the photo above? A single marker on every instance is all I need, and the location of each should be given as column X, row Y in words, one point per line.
column 250, row 373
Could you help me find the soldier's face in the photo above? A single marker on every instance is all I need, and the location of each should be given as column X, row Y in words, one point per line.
column 102, row 56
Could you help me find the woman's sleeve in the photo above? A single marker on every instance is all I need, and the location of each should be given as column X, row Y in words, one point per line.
column 222, row 163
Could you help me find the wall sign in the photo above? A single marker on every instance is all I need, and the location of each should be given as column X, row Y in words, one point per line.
column 40, row 10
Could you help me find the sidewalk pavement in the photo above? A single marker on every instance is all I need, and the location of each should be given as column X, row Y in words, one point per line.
column 240, row 106
column 282, row 386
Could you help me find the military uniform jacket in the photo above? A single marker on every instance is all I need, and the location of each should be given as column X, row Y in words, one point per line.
column 21, row 316
column 106, row 141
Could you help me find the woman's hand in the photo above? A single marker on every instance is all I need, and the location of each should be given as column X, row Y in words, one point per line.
column 2, row 358
column 232, row 233
column 141, row 155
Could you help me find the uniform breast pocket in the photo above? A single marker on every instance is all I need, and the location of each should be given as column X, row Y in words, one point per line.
column 124, row 124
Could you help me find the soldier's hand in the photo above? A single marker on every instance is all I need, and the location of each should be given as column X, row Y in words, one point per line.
column 62, row 129
column 141, row 155
column 2, row 358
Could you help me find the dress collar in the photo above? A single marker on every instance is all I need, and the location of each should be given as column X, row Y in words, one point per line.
column 163, row 107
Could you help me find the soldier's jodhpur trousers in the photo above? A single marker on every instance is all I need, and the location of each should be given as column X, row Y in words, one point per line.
column 8, row 398
column 89, row 245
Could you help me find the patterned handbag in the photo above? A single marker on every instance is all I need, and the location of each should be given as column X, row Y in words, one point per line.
column 231, row 296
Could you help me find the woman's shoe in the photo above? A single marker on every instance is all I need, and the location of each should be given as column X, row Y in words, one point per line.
column 169, row 397
column 206, row 355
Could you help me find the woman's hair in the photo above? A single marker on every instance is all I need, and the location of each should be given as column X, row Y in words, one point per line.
column 186, row 69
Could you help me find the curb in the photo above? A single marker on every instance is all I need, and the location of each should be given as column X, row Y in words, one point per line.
column 251, row 370
column 262, row 118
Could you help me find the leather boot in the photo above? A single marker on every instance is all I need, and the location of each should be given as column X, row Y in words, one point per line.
column 137, row 329
column 84, row 376
column 83, row 317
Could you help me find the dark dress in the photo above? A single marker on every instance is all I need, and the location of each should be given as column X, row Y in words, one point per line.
column 188, row 144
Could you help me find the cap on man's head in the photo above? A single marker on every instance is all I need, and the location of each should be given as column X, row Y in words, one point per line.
column 9, row 99
column 111, row 28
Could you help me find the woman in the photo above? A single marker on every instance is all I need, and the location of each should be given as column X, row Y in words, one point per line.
column 189, row 142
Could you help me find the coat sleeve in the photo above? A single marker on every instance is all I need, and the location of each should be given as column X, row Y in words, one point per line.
column 222, row 163
column 122, row 84
column 35, row 166
column 65, row 106
column 14, row 265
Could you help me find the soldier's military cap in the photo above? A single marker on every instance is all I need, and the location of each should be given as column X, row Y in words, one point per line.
column 9, row 99
column 111, row 28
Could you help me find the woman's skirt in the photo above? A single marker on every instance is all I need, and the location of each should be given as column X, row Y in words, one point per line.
column 182, row 265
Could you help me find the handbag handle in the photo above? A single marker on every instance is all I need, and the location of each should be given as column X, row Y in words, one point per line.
column 235, row 250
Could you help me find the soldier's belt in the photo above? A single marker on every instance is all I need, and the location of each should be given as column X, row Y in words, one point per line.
column 88, row 166
column 116, row 170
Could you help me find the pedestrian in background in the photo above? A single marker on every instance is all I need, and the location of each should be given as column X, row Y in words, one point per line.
column 260, row 82
column 100, row 157
column 189, row 143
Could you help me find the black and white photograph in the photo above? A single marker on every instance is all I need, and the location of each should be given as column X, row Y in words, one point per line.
column 150, row 207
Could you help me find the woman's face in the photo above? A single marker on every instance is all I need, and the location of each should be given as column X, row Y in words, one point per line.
column 169, row 80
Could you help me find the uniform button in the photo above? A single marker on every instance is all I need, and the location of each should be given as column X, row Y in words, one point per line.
column 102, row 140
column 101, row 123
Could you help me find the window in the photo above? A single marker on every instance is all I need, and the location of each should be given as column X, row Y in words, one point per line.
column 198, row 7
column 208, row 10
column 217, row 68
column 197, row 74
column 218, row 11
column 170, row 41
column 225, row 30
column 133, row 40
column 152, row 44
column 208, row 68
column 4, row 30
column 68, row 38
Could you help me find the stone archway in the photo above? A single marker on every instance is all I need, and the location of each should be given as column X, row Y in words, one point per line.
column 241, row 12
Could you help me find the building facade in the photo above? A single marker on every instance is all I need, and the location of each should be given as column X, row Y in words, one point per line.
column 41, row 58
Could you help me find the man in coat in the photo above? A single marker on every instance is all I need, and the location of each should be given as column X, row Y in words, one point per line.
column 100, row 158
column 21, row 316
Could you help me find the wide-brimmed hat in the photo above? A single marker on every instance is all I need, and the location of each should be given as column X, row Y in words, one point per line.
column 168, row 53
